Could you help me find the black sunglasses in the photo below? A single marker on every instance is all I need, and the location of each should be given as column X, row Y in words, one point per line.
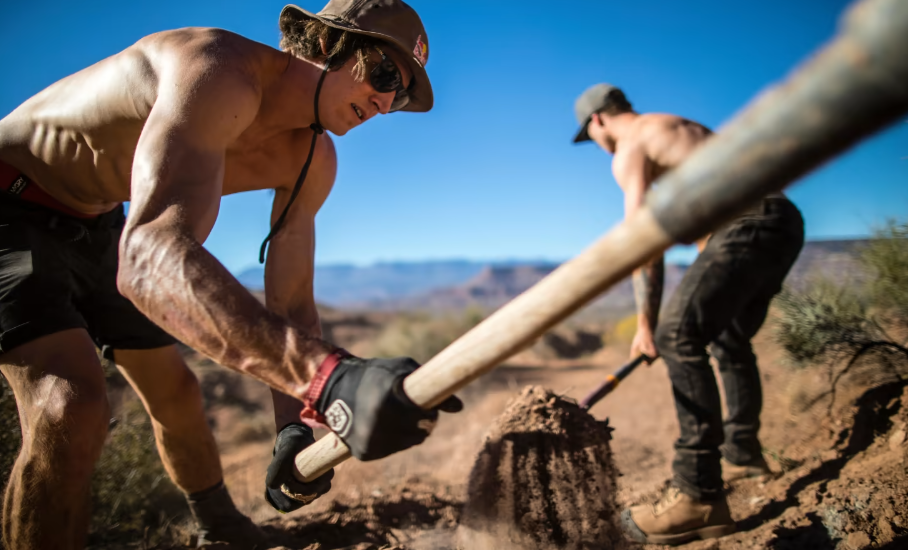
column 386, row 77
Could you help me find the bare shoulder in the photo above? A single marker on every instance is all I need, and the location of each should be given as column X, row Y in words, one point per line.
column 325, row 149
column 663, row 122
column 324, row 161
column 198, row 53
column 196, row 44
column 668, row 139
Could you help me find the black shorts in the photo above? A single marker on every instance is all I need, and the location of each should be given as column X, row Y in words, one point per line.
column 58, row 273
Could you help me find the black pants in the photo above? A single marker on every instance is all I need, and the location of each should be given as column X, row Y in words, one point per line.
column 721, row 303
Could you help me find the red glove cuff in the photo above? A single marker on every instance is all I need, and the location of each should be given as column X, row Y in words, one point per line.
column 317, row 386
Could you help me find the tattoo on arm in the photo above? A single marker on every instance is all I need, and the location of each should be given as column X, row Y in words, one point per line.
column 648, row 282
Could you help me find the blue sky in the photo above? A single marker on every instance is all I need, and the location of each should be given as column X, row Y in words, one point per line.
column 490, row 173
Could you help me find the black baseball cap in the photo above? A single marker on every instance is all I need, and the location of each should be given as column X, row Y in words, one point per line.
column 593, row 100
column 391, row 21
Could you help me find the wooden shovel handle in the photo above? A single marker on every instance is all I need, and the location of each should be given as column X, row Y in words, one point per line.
column 612, row 381
column 525, row 318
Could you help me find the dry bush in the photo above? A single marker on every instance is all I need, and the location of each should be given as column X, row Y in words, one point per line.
column 568, row 342
column 835, row 322
column 624, row 330
column 887, row 259
column 255, row 429
column 10, row 434
column 826, row 322
column 831, row 321
column 422, row 336
column 132, row 496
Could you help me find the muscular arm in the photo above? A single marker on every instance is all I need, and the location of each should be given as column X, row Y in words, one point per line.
column 290, row 268
column 634, row 176
column 176, row 187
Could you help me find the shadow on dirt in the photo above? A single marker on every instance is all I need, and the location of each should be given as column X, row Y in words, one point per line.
column 898, row 544
column 875, row 409
column 369, row 522
column 809, row 537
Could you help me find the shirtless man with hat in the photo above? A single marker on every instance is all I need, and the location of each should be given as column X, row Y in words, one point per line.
column 171, row 124
column 720, row 304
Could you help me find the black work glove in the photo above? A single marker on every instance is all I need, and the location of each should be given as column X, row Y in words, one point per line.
column 280, row 483
column 363, row 401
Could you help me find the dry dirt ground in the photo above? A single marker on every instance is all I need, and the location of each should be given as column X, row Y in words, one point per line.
column 842, row 476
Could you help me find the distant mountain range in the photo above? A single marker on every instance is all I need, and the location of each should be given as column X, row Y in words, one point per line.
column 342, row 285
column 444, row 285
column 496, row 285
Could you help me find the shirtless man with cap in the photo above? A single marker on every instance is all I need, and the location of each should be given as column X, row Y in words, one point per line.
column 171, row 124
column 720, row 304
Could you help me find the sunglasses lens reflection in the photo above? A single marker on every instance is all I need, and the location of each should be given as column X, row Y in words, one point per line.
column 386, row 77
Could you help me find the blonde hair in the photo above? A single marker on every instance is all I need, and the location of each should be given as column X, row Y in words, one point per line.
column 303, row 37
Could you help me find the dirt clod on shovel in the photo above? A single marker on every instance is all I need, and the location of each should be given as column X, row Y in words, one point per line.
column 544, row 479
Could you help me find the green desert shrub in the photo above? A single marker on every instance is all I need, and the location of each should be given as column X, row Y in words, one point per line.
column 132, row 497
column 824, row 322
column 886, row 258
column 422, row 336
column 832, row 322
column 131, row 493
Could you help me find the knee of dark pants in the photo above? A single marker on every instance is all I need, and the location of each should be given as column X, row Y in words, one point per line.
column 720, row 353
column 666, row 340
column 676, row 342
column 726, row 353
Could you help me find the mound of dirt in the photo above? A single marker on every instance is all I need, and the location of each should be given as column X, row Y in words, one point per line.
column 544, row 479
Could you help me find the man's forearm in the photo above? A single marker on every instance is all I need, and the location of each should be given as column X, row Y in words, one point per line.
column 286, row 408
column 648, row 283
column 180, row 286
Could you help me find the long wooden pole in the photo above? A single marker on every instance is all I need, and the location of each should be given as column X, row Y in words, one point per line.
column 519, row 322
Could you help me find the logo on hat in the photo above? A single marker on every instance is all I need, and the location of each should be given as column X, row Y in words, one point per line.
column 421, row 51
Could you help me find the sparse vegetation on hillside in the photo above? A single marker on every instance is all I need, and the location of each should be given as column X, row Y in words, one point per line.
column 624, row 330
column 832, row 322
column 887, row 258
column 132, row 497
column 422, row 336
column 828, row 321
column 10, row 434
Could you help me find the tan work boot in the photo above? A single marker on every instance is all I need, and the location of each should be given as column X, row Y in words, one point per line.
column 734, row 472
column 678, row 518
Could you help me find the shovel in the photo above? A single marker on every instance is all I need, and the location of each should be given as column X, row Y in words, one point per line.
column 611, row 382
column 786, row 132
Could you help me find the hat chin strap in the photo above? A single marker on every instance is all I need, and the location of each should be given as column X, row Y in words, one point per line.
column 317, row 129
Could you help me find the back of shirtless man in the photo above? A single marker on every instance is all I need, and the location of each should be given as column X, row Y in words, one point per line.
column 171, row 124
column 720, row 304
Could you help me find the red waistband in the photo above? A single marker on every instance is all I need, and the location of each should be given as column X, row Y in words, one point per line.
column 15, row 183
